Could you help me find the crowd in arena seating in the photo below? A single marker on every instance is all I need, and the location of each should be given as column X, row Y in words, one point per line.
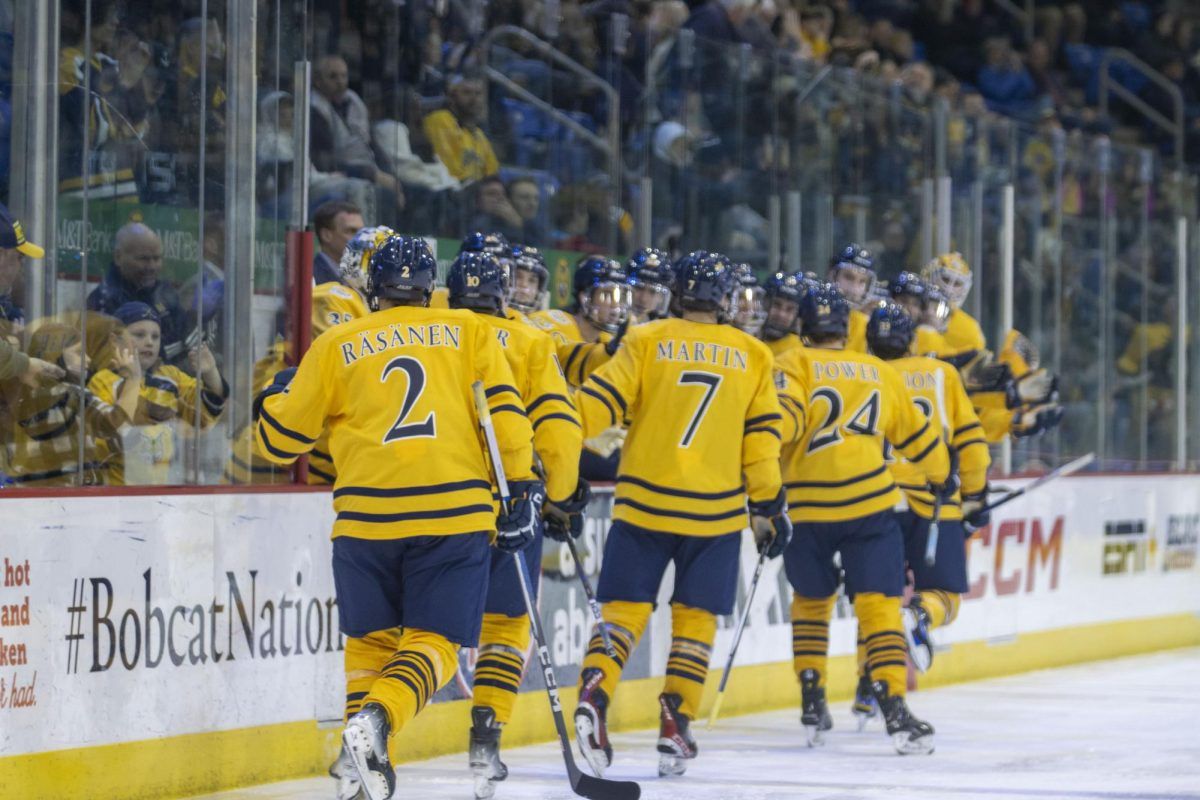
column 722, row 104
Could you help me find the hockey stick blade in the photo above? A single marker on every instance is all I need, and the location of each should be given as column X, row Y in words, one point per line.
column 603, row 789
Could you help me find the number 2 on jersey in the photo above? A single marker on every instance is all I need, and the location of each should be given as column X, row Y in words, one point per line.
column 711, row 383
column 416, row 385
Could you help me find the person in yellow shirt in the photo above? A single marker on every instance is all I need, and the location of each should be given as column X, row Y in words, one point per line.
column 951, row 274
column 651, row 277
column 703, row 446
column 413, row 496
column 602, row 299
column 167, row 397
column 781, row 299
column 455, row 135
column 528, row 292
column 939, row 586
column 852, row 271
column 477, row 282
column 840, row 496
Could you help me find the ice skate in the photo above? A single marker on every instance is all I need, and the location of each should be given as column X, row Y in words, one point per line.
column 916, row 630
column 591, row 727
column 365, row 740
column 675, row 741
column 909, row 735
column 814, row 711
column 349, row 787
column 484, row 750
column 864, row 707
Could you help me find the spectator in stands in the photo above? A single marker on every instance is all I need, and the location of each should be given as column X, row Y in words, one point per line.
column 200, row 98
column 14, row 363
column 1004, row 81
column 493, row 211
column 719, row 20
column 526, row 198
column 816, row 25
column 1040, row 62
column 334, row 223
column 455, row 133
column 340, row 133
column 135, row 275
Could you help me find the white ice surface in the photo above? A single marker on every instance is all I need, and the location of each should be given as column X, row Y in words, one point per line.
column 1128, row 728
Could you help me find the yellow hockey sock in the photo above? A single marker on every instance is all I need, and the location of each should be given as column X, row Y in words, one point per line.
column 942, row 606
column 861, row 653
column 692, row 634
column 503, row 642
column 625, row 622
column 364, row 660
column 810, row 633
column 422, row 663
column 882, row 630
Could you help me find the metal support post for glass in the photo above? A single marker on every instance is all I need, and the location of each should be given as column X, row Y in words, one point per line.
column 34, row 152
column 1181, row 342
column 1103, row 162
column 975, row 298
column 1145, row 178
column 1059, row 140
column 301, row 119
column 645, row 212
column 240, row 211
column 943, row 241
column 792, row 227
column 774, row 221
column 1006, row 294
column 927, row 197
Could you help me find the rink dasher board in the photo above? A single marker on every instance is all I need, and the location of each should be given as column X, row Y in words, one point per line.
column 211, row 614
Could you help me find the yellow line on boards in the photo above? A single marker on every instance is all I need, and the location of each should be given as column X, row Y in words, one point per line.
column 200, row 763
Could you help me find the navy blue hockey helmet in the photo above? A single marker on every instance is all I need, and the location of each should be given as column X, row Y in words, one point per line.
column 824, row 313
column 652, row 278
column 477, row 281
column 890, row 332
column 706, row 282
column 781, row 316
column 908, row 284
column 523, row 297
column 751, row 301
column 480, row 242
column 852, row 270
column 403, row 268
column 602, row 292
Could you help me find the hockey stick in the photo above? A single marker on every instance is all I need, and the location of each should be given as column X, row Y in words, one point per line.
column 1069, row 468
column 939, row 394
column 592, row 602
column 737, row 639
column 583, row 785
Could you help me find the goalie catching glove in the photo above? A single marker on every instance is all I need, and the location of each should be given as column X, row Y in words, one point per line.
column 566, row 518
column 1032, row 388
column 771, row 526
column 516, row 528
column 1036, row 420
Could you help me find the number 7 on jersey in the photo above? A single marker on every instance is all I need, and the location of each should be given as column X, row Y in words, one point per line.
column 711, row 383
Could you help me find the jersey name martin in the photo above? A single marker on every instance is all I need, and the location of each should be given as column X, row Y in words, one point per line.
column 701, row 353
column 368, row 343
column 845, row 370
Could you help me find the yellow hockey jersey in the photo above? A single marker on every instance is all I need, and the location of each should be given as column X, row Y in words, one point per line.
column 963, row 333
column 333, row 303
column 783, row 344
column 966, row 434
column 167, row 394
column 557, row 434
column 704, row 428
column 856, row 336
column 577, row 357
column 394, row 389
column 834, row 470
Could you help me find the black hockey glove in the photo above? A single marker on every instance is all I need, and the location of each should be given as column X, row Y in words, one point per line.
column 946, row 491
column 612, row 344
column 278, row 385
column 516, row 529
column 974, row 517
column 566, row 518
column 771, row 526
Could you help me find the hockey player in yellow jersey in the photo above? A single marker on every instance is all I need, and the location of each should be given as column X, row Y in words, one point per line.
column 476, row 281
column 587, row 332
column 840, row 496
column 852, row 271
column 750, row 300
column 781, row 300
column 950, row 273
column 413, row 497
column 530, row 278
column 703, row 441
column 940, row 585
